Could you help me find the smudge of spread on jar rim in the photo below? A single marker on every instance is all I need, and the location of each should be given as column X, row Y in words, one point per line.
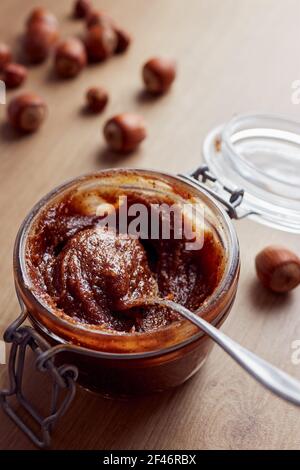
column 88, row 273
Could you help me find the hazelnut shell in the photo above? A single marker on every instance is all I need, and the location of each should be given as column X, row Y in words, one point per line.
column 97, row 99
column 27, row 112
column 82, row 8
column 101, row 42
column 278, row 269
column 124, row 132
column 14, row 75
column 159, row 74
column 70, row 58
column 39, row 40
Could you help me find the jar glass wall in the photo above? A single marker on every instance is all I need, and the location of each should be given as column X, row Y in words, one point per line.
column 132, row 363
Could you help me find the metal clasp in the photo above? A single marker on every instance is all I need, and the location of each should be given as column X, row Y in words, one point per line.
column 63, row 378
column 202, row 175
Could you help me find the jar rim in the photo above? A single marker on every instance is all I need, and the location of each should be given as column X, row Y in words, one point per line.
column 231, row 270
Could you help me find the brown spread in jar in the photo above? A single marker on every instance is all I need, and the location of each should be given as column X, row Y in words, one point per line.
column 89, row 273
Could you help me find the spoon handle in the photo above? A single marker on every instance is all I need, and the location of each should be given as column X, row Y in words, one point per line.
column 271, row 377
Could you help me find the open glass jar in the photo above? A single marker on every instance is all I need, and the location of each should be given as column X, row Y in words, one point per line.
column 130, row 363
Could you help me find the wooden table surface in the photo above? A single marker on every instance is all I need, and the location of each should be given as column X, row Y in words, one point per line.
column 234, row 56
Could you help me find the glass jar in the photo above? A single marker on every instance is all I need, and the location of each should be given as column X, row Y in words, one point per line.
column 127, row 364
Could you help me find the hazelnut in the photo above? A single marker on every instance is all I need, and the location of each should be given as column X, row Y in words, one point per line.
column 123, row 40
column 101, row 42
column 14, row 75
column 41, row 15
column 26, row 112
column 82, row 8
column 278, row 268
column 70, row 58
column 97, row 99
column 38, row 41
column 5, row 55
column 123, row 133
column 159, row 74
column 98, row 18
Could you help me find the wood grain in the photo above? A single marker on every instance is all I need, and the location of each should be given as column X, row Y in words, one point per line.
column 233, row 56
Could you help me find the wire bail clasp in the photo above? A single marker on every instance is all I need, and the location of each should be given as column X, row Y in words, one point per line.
column 202, row 175
column 63, row 378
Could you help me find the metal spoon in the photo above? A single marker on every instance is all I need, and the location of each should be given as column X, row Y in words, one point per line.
column 271, row 377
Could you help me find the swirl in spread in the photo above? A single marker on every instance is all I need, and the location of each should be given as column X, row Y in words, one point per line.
column 90, row 274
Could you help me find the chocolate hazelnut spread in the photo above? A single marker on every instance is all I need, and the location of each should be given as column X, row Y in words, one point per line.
column 90, row 274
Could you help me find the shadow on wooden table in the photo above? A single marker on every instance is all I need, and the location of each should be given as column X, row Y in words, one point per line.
column 144, row 97
column 92, row 422
column 8, row 134
column 265, row 301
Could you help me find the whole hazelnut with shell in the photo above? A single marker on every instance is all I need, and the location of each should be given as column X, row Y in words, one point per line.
column 278, row 268
column 100, row 42
column 39, row 40
column 97, row 99
column 14, row 75
column 159, row 74
column 124, row 132
column 70, row 58
column 27, row 112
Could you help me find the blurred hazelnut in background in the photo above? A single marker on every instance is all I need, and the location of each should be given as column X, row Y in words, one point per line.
column 101, row 42
column 159, row 74
column 70, row 58
column 82, row 8
column 124, row 132
column 40, row 36
column 13, row 75
column 26, row 112
column 97, row 99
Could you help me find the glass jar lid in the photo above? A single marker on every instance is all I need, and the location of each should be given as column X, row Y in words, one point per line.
column 261, row 155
